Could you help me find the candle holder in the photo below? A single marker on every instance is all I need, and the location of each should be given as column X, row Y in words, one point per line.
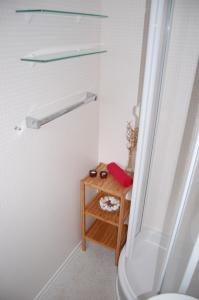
column 93, row 173
column 103, row 174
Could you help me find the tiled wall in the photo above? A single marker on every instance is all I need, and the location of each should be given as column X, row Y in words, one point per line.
column 40, row 169
column 119, row 80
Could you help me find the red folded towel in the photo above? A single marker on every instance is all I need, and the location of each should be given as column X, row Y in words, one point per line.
column 119, row 174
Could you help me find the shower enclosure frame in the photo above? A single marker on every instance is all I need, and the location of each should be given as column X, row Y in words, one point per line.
column 156, row 58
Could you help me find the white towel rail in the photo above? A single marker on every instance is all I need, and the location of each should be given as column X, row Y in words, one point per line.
column 36, row 123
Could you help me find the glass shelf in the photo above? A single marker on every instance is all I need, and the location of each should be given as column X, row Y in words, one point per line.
column 62, row 12
column 50, row 57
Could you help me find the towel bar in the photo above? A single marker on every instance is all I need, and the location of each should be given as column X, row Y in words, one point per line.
column 34, row 123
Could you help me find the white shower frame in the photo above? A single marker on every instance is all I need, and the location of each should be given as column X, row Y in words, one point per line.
column 149, row 109
column 147, row 126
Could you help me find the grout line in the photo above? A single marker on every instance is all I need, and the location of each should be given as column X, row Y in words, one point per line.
column 52, row 279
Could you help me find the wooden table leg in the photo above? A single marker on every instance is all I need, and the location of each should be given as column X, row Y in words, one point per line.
column 120, row 228
column 83, row 221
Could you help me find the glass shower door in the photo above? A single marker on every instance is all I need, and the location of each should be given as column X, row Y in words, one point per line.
column 182, row 270
column 148, row 260
column 182, row 264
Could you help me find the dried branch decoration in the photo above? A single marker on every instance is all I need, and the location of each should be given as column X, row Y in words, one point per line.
column 131, row 136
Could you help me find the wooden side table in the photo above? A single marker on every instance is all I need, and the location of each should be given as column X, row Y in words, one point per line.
column 108, row 229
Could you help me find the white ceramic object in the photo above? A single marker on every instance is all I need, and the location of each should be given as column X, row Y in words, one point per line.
column 172, row 297
column 109, row 203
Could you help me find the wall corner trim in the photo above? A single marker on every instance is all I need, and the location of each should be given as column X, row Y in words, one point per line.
column 57, row 273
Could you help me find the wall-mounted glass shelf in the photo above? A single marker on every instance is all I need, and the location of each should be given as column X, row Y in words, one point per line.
column 50, row 57
column 62, row 12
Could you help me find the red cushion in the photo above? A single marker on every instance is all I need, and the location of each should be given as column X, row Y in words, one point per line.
column 119, row 174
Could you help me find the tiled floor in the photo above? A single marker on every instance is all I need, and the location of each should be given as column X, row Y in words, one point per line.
column 89, row 276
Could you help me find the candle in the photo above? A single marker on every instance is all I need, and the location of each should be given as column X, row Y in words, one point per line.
column 93, row 173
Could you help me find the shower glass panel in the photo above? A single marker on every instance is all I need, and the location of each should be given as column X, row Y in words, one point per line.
column 193, row 289
column 182, row 261
column 180, row 265
column 174, row 141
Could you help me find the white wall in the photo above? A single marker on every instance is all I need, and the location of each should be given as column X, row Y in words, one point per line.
column 119, row 76
column 40, row 169
column 177, row 90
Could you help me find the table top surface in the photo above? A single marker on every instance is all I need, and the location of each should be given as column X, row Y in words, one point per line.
column 108, row 185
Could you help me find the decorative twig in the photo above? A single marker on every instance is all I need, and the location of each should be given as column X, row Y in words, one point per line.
column 132, row 136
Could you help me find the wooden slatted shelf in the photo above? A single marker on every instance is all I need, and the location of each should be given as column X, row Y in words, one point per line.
column 109, row 185
column 93, row 209
column 108, row 229
column 105, row 234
